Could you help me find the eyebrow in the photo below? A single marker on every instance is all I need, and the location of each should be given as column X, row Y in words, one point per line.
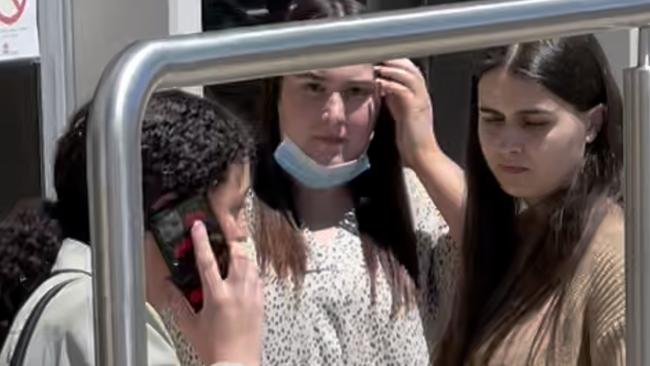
column 361, row 83
column 489, row 110
column 314, row 76
column 531, row 111
column 539, row 111
column 311, row 75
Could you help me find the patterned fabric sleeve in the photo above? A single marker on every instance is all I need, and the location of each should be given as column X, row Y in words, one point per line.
column 184, row 350
column 438, row 259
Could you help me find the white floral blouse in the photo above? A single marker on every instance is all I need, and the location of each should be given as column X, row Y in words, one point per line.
column 331, row 320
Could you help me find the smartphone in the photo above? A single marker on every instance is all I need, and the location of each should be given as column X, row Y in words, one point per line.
column 171, row 228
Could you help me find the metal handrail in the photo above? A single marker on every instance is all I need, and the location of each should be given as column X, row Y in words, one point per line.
column 114, row 163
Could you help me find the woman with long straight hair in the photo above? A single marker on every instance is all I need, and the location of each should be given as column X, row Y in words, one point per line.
column 541, row 278
column 345, row 237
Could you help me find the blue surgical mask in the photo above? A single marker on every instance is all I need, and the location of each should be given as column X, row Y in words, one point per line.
column 313, row 175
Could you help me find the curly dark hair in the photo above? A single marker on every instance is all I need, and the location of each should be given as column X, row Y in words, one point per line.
column 29, row 242
column 187, row 157
column 188, row 143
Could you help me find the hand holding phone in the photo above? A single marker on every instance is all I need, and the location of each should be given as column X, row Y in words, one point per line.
column 171, row 228
column 229, row 325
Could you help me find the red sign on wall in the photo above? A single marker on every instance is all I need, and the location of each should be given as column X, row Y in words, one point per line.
column 18, row 29
column 11, row 11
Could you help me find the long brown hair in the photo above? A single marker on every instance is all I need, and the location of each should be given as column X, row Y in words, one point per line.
column 380, row 197
column 508, row 273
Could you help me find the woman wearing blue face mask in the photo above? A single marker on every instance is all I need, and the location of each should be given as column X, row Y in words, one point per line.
column 346, row 238
column 351, row 247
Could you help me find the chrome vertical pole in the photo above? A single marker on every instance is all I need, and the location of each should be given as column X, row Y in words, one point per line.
column 637, row 200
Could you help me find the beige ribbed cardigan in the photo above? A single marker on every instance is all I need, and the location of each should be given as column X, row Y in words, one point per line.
column 592, row 320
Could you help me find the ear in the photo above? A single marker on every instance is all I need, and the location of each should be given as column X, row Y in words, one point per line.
column 596, row 117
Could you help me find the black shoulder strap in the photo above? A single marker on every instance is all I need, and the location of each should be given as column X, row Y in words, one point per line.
column 64, row 271
column 18, row 355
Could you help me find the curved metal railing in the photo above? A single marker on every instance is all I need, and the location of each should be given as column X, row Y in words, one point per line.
column 114, row 164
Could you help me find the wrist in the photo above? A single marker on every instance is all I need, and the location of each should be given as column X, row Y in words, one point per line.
column 426, row 157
